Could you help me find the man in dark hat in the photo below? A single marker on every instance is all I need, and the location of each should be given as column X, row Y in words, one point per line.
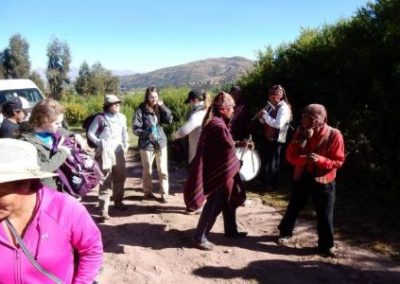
column 14, row 113
column 198, row 100
column 316, row 151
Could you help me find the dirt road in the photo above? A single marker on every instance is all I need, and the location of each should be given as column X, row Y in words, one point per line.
column 151, row 243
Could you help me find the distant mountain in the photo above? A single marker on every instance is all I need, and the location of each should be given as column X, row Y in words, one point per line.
column 208, row 72
column 74, row 72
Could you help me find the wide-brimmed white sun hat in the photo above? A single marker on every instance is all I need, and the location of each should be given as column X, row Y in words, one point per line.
column 18, row 161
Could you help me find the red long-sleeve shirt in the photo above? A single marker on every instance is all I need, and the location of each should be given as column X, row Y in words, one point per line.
column 328, row 144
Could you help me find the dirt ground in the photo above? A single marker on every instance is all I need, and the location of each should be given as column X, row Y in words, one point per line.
column 151, row 243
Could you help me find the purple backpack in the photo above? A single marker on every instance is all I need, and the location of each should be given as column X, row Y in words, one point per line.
column 80, row 172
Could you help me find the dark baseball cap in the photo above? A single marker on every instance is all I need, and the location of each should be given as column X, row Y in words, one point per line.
column 195, row 94
column 235, row 89
column 12, row 105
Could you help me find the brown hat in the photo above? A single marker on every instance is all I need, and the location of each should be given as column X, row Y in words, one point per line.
column 317, row 112
column 223, row 100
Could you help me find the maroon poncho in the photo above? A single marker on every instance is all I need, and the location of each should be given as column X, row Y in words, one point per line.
column 214, row 167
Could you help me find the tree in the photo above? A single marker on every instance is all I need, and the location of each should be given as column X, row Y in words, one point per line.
column 15, row 58
column 102, row 81
column 59, row 59
column 2, row 69
column 35, row 77
column 82, row 84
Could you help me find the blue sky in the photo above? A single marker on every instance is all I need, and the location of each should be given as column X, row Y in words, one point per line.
column 147, row 35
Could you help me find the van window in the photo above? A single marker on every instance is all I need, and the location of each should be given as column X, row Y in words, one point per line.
column 31, row 95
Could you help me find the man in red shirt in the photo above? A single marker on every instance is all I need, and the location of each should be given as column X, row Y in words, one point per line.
column 316, row 151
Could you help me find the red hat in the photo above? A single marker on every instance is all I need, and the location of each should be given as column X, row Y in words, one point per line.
column 223, row 100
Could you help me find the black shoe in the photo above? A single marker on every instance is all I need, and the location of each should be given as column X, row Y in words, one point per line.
column 327, row 252
column 270, row 188
column 120, row 206
column 150, row 196
column 236, row 235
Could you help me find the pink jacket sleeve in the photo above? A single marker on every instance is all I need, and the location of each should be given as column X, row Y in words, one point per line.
column 86, row 240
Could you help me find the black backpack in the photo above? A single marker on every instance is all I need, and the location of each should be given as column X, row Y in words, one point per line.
column 88, row 121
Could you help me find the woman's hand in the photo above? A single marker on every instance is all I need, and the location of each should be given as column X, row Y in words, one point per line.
column 79, row 140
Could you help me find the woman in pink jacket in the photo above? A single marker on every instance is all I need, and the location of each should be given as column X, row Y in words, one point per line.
column 63, row 241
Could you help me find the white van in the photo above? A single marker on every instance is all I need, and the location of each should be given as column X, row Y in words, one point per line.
column 10, row 88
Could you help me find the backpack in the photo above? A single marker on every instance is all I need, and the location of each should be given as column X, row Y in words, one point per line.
column 88, row 121
column 80, row 173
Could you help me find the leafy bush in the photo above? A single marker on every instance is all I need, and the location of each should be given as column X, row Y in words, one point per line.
column 75, row 113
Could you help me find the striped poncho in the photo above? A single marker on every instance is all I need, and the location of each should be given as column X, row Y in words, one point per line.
column 214, row 167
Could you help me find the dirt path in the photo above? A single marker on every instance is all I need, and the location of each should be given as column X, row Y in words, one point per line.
column 151, row 243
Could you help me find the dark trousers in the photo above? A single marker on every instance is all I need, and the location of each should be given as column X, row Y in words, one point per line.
column 271, row 162
column 216, row 202
column 323, row 199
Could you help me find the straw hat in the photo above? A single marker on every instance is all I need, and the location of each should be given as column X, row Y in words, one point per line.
column 19, row 161
column 111, row 99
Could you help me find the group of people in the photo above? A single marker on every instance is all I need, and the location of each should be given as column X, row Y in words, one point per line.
column 37, row 220
column 316, row 152
column 45, row 236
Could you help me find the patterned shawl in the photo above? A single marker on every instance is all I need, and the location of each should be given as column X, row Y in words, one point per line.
column 214, row 166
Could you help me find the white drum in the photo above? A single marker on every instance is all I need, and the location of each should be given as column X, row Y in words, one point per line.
column 251, row 163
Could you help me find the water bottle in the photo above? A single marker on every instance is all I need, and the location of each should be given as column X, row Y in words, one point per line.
column 154, row 131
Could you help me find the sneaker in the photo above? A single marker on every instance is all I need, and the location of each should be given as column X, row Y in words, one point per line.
column 236, row 235
column 150, row 196
column 120, row 206
column 193, row 212
column 206, row 245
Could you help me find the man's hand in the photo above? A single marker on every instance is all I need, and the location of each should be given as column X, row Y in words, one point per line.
column 312, row 157
column 244, row 143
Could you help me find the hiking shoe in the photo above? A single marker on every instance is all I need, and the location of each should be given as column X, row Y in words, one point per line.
column 284, row 240
column 104, row 216
column 206, row 245
column 150, row 196
column 164, row 198
column 120, row 206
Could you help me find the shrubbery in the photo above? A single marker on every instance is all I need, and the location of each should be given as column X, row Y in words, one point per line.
column 78, row 107
column 353, row 68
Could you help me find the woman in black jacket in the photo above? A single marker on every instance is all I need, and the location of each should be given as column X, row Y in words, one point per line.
column 147, row 124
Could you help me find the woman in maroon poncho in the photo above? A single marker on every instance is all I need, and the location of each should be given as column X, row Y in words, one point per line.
column 214, row 174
